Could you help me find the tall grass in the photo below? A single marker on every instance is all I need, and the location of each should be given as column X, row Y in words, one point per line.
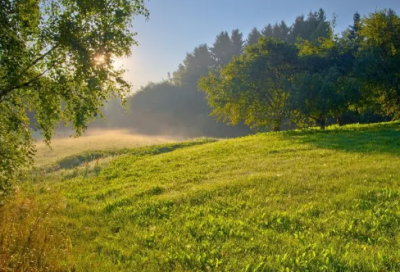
column 29, row 237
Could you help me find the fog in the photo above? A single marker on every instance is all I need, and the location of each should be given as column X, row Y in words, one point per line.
column 63, row 145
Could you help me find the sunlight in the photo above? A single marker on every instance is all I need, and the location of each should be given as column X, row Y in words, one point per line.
column 120, row 63
column 99, row 59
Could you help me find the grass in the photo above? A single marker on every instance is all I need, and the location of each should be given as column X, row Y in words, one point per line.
column 292, row 201
column 29, row 237
column 104, row 140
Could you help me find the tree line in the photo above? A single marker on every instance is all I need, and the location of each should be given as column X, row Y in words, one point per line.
column 304, row 82
column 177, row 106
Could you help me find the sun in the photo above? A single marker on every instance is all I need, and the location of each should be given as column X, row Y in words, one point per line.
column 99, row 59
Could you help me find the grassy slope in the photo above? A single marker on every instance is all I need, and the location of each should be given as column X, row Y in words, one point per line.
column 104, row 140
column 300, row 201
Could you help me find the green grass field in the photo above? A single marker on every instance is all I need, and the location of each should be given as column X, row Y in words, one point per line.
column 292, row 201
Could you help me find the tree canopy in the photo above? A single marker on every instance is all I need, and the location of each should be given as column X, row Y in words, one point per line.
column 379, row 61
column 339, row 77
column 326, row 77
column 325, row 84
column 254, row 87
column 177, row 106
column 57, row 60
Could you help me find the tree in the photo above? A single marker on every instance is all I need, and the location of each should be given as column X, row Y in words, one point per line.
column 379, row 61
column 314, row 27
column 177, row 106
column 355, row 28
column 253, row 87
column 326, row 85
column 297, row 29
column 57, row 59
column 221, row 48
column 237, row 43
column 280, row 31
column 225, row 47
column 253, row 36
column 195, row 65
column 268, row 31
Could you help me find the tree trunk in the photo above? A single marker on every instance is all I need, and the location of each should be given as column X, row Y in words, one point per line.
column 339, row 121
column 277, row 126
column 321, row 122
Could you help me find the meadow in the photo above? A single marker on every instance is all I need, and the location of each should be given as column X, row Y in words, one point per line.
column 306, row 200
column 94, row 140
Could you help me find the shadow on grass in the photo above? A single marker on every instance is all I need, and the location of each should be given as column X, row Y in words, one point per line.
column 383, row 138
column 90, row 156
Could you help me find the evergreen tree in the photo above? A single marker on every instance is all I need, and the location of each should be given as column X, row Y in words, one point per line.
column 225, row 47
column 281, row 31
column 268, row 31
column 237, row 43
column 195, row 65
column 355, row 28
column 222, row 48
column 253, row 36
column 312, row 28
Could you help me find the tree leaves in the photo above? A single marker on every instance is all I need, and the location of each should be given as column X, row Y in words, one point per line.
column 252, row 88
column 47, row 55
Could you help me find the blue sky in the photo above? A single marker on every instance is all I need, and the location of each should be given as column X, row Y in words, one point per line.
column 175, row 27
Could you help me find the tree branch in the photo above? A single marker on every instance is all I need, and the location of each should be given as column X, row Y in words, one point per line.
column 3, row 94
column 37, row 60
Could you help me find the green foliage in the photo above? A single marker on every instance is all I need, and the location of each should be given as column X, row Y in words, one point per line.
column 314, row 27
column 330, row 77
column 253, row 87
column 325, row 85
column 169, row 109
column 304, row 200
column 57, row 60
column 253, row 36
column 175, row 106
column 379, row 61
column 16, row 149
column 225, row 47
column 195, row 64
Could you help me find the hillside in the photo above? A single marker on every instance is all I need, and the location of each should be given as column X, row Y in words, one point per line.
column 291, row 201
column 106, row 140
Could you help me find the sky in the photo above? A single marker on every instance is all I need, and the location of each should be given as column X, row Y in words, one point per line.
column 176, row 27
